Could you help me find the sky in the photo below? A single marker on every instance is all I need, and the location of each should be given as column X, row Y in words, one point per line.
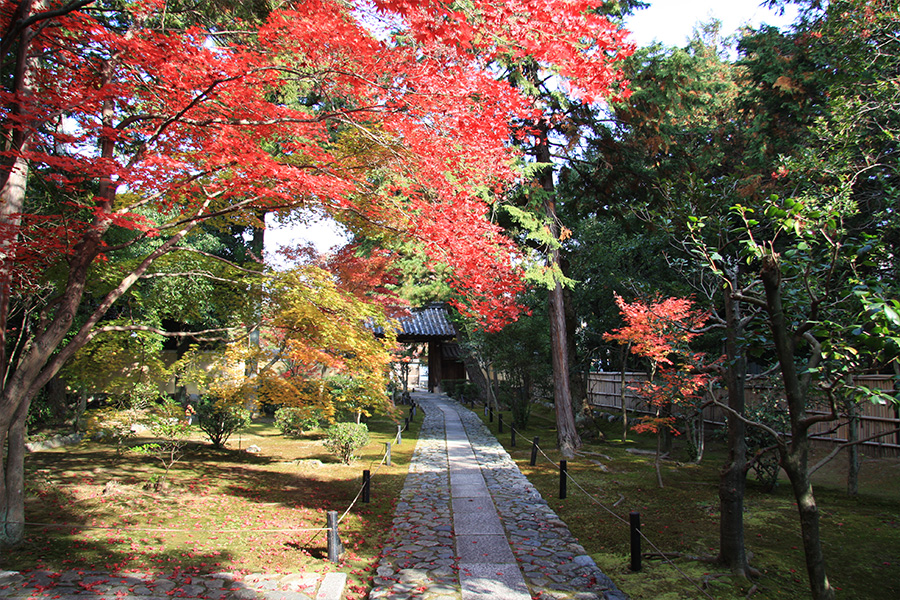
column 670, row 22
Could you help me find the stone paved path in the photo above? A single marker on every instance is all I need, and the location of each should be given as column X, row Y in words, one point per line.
column 469, row 526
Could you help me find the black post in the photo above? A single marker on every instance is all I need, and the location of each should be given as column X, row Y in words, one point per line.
column 635, row 519
column 387, row 453
column 563, row 469
column 405, row 423
column 512, row 436
column 399, row 436
column 367, row 487
column 412, row 412
column 335, row 548
column 490, row 415
column 534, row 450
column 499, row 422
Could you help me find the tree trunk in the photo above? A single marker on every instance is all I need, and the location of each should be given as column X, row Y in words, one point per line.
column 567, row 436
column 625, row 352
column 14, row 171
column 12, row 480
column 797, row 469
column 853, row 452
column 568, row 439
column 795, row 461
column 733, row 476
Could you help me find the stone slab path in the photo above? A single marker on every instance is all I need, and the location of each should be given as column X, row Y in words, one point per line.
column 469, row 525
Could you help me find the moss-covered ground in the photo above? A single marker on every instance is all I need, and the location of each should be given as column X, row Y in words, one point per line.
column 88, row 506
column 861, row 534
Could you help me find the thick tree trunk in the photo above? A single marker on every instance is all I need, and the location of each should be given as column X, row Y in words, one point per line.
column 12, row 480
column 567, row 436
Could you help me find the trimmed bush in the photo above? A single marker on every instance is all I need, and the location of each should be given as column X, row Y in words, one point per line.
column 294, row 421
column 344, row 439
column 219, row 420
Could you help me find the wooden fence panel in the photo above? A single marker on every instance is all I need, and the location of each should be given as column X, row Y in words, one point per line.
column 604, row 391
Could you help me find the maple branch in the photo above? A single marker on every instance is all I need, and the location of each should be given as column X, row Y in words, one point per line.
column 223, row 260
column 193, row 274
column 156, row 195
column 782, row 445
column 200, row 217
column 163, row 332
column 86, row 332
column 18, row 24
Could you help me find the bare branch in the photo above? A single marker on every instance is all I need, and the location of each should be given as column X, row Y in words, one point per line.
column 222, row 260
column 193, row 274
column 840, row 447
column 782, row 445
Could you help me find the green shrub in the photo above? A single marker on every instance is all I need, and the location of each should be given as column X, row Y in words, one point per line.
column 294, row 421
column 219, row 420
column 344, row 439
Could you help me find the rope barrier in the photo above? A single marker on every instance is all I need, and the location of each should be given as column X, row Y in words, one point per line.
column 161, row 529
column 626, row 522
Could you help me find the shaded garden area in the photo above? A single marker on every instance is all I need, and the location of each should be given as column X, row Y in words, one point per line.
column 861, row 534
column 90, row 507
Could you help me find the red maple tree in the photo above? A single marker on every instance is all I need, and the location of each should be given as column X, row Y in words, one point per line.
column 126, row 126
column 661, row 331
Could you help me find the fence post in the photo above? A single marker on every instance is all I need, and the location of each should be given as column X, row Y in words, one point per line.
column 335, row 548
column 490, row 415
column 387, row 453
column 399, row 430
column 412, row 412
column 499, row 422
column 367, row 487
column 534, row 450
column 512, row 436
column 563, row 470
column 635, row 521
column 405, row 423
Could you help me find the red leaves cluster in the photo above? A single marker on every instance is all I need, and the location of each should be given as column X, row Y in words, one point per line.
column 317, row 108
column 661, row 331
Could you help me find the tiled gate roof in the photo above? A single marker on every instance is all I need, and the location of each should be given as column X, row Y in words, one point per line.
column 426, row 324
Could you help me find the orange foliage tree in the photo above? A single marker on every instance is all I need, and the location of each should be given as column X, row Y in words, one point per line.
column 661, row 331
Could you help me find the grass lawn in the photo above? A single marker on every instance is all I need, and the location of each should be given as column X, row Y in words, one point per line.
column 225, row 510
column 861, row 534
